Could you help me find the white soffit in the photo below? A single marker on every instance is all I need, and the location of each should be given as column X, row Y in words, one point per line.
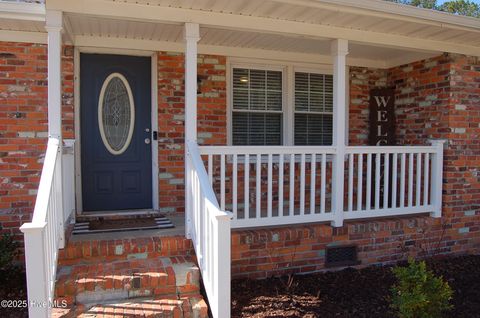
column 341, row 14
column 95, row 31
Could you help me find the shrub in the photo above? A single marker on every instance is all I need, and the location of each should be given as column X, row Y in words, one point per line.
column 418, row 293
column 8, row 252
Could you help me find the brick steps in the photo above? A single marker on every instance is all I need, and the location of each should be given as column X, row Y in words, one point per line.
column 191, row 307
column 124, row 279
column 132, row 277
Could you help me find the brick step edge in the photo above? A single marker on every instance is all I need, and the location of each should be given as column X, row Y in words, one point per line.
column 91, row 251
column 185, row 307
column 127, row 279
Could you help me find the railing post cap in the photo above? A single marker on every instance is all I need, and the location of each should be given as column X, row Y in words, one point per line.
column 32, row 227
column 228, row 216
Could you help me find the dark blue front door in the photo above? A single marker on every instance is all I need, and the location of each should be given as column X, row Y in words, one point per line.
column 115, row 118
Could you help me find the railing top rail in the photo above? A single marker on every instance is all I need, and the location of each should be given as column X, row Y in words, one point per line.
column 203, row 179
column 390, row 149
column 276, row 150
column 265, row 150
column 45, row 186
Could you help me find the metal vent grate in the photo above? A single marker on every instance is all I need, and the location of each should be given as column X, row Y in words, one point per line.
column 341, row 256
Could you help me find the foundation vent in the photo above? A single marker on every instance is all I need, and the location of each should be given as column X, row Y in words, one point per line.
column 341, row 256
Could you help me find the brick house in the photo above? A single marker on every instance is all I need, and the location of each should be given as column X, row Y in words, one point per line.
column 288, row 168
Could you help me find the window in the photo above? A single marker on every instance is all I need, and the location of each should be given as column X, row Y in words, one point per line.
column 257, row 111
column 265, row 101
column 313, row 123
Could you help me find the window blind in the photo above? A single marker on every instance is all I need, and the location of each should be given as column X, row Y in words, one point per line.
column 313, row 124
column 257, row 107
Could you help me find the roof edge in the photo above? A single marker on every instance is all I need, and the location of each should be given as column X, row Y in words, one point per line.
column 22, row 11
column 392, row 9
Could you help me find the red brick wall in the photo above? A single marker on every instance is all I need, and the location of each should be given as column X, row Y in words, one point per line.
column 23, row 130
column 23, row 126
column 422, row 91
column 211, row 120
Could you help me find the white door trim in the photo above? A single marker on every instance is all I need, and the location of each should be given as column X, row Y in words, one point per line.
column 154, row 115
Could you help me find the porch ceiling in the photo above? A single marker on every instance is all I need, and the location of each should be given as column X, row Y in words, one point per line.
column 100, row 31
column 368, row 20
column 341, row 13
column 381, row 34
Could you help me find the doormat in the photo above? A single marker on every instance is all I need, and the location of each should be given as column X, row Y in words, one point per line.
column 120, row 225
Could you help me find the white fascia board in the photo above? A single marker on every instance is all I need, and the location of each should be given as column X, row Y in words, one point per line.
column 22, row 11
column 258, row 54
column 393, row 11
column 131, row 11
column 23, row 36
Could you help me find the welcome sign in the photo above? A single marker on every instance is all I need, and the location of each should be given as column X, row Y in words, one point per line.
column 382, row 117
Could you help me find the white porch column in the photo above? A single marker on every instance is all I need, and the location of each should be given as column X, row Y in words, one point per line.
column 54, row 26
column 54, row 29
column 339, row 51
column 192, row 35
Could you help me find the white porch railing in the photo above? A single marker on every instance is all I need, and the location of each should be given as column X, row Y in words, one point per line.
column 45, row 235
column 265, row 186
column 210, row 233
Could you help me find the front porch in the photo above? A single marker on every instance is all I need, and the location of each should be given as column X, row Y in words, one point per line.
column 221, row 185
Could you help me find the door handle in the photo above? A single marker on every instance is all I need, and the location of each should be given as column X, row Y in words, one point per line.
column 147, row 141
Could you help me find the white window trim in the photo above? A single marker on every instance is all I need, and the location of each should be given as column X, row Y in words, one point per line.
column 288, row 86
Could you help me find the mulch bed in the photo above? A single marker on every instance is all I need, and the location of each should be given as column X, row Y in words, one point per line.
column 351, row 292
column 13, row 287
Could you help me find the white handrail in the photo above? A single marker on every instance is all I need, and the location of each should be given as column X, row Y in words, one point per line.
column 45, row 234
column 210, row 233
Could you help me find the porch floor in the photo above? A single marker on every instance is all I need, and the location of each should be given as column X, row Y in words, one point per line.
column 179, row 229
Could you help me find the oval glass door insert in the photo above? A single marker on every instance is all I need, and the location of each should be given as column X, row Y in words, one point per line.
column 116, row 113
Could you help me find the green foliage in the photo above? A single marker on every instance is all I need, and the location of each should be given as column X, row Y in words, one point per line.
column 8, row 252
column 419, row 293
column 460, row 7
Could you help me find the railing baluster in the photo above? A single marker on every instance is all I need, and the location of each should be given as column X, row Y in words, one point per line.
column 350, row 181
column 280, row 185
column 302, row 184
column 312, row 182
column 234, row 184
column 323, row 183
column 386, row 179
column 258, row 206
column 222, row 182
column 426, row 179
column 419, row 180
column 246, row 186
column 269, row 191
column 377, row 180
column 368, row 197
column 291, row 197
column 410, row 179
column 394, row 179
column 360, row 182
column 402, row 180
column 210, row 168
